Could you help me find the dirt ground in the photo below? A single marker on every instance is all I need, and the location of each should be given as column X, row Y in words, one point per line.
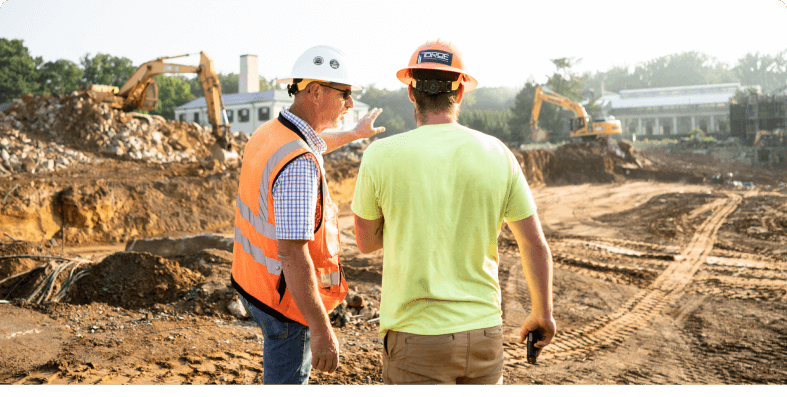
column 664, row 274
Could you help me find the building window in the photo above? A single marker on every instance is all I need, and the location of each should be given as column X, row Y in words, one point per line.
column 230, row 114
column 243, row 115
column 264, row 114
column 182, row 117
column 196, row 117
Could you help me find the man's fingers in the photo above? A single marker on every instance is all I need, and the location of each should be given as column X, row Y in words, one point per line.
column 317, row 363
column 374, row 113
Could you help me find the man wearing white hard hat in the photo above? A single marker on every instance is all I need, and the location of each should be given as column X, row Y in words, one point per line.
column 286, row 255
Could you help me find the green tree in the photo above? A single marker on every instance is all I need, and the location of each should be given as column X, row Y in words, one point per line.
column 106, row 69
column 229, row 83
column 59, row 77
column 680, row 69
column 173, row 91
column 769, row 72
column 492, row 122
column 567, row 83
column 519, row 123
column 398, row 112
column 18, row 74
column 267, row 85
column 489, row 98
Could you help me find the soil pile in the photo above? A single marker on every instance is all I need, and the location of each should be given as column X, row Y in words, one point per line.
column 600, row 160
column 78, row 121
column 134, row 280
column 15, row 264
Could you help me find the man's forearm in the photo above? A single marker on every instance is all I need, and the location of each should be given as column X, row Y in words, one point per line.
column 537, row 265
column 335, row 140
column 302, row 283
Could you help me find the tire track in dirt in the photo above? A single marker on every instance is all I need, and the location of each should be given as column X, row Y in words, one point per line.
column 228, row 367
column 611, row 330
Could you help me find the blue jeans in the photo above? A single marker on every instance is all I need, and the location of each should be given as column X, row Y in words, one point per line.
column 286, row 353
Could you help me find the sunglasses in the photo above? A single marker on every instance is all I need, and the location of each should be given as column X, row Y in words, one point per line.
column 345, row 93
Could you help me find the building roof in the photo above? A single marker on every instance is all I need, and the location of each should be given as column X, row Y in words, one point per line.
column 248, row 97
column 672, row 96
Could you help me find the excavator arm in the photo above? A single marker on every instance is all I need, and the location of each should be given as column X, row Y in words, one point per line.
column 140, row 91
column 579, row 124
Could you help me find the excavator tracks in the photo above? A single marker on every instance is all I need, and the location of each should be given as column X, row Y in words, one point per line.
column 611, row 330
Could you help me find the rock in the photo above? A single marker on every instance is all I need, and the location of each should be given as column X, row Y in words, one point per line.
column 354, row 300
column 28, row 165
column 368, row 313
column 236, row 308
column 210, row 287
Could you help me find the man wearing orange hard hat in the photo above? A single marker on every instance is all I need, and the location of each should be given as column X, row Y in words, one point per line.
column 435, row 199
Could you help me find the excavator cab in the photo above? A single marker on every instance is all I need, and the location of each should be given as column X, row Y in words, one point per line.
column 577, row 124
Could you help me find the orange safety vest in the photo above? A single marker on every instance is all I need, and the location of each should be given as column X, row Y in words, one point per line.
column 256, row 269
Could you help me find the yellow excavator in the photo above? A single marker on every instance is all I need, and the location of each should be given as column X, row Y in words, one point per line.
column 140, row 92
column 581, row 126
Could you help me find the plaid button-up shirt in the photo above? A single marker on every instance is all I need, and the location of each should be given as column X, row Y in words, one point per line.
column 295, row 192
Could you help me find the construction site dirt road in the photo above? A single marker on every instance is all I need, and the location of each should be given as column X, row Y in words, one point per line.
column 664, row 274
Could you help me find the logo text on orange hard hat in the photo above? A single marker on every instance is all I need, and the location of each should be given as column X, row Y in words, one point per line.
column 435, row 56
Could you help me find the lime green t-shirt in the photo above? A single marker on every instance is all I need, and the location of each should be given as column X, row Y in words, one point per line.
column 444, row 191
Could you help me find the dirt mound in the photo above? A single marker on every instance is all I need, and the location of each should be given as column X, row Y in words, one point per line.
column 579, row 162
column 134, row 280
column 12, row 266
column 118, row 201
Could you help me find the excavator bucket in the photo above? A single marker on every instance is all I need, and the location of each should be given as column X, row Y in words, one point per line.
column 540, row 135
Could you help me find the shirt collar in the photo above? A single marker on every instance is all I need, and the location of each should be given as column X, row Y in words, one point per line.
column 315, row 142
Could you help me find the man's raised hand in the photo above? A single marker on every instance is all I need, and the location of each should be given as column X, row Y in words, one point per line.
column 365, row 127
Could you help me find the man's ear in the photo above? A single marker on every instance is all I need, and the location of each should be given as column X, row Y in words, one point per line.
column 410, row 93
column 313, row 92
column 460, row 93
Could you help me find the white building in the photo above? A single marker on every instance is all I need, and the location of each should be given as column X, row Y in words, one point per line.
column 672, row 110
column 248, row 110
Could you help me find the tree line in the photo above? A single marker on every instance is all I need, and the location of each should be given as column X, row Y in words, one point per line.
column 505, row 113
column 500, row 111
column 21, row 73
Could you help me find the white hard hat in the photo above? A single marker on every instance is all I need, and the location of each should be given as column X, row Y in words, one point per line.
column 324, row 63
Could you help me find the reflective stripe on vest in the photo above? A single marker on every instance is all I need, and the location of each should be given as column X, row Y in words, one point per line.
column 272, row 265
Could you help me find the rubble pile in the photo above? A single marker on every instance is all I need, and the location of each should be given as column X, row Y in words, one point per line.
column 355, row 307
column 79, row 122
column 19, row 153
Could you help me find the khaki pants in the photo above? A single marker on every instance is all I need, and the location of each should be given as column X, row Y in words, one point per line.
column 470, row 357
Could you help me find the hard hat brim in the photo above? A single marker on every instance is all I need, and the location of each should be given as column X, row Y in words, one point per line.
column 289, row 80
column 470, row 83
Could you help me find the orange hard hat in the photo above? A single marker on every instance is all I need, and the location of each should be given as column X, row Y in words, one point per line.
column 438, row 55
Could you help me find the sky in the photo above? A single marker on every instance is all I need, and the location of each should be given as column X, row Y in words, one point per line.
column 504, row 43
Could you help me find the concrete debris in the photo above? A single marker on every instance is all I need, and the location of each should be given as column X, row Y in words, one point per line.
column 236, row 308
column 40, row 128
column 167, row 247
column 18, row 153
